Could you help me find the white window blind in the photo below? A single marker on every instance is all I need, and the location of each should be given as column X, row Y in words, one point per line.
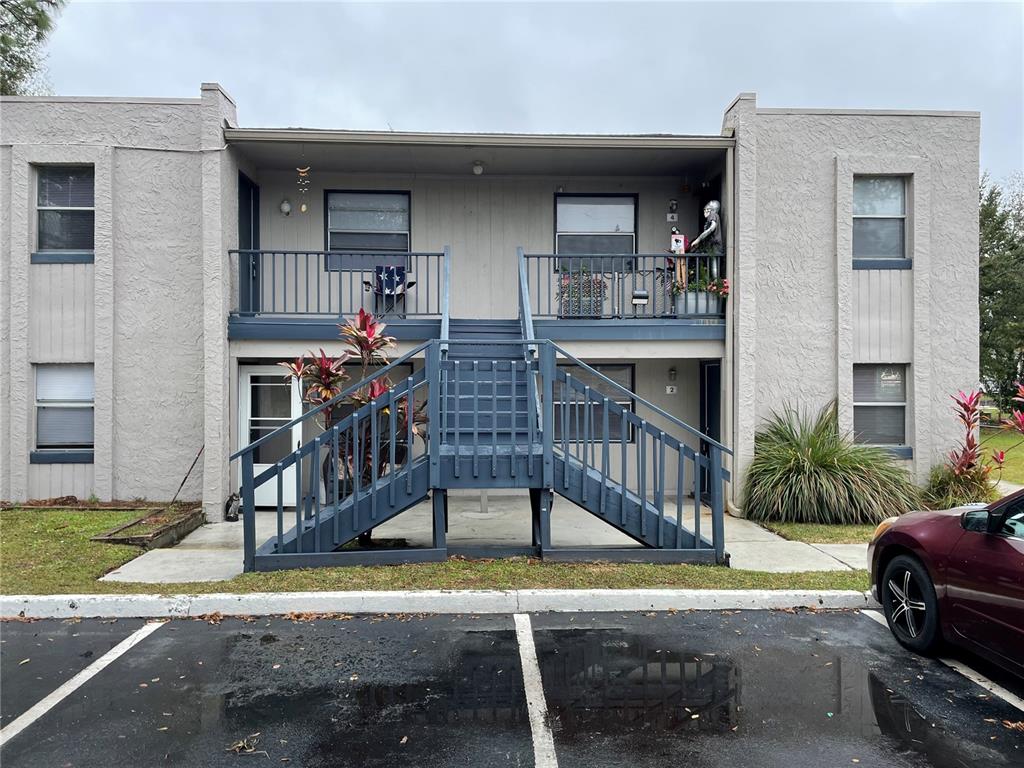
column 65, row 206
column 880, row 404
column 64, row 406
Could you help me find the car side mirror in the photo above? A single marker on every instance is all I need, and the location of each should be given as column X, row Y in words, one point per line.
column 995, row 522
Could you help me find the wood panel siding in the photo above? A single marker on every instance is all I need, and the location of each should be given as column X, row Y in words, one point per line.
column 47, row 481
column 61, row 313
column 883, row 330
column 484, row 218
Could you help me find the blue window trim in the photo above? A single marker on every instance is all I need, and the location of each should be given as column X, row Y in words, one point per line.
column 61, row 457
column 900, row 451
column 883, row 263
column 62, row 257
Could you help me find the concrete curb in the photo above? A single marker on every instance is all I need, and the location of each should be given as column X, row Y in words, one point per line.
column 432, row 601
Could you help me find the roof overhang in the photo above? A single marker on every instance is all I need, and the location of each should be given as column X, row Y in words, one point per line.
column 501, row 154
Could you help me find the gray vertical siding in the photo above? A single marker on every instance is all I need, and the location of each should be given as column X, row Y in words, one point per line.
column 883, row 315
column 61, row 312
column 48, row 481
column 483, row 218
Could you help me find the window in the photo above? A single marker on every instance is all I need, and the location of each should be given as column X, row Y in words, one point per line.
column 880, row 404
column 64, row 407
column 879, row 217
column 594, row 225
column 569, row 405
column 1013, row 520
column 65, row 207
column 363, row 225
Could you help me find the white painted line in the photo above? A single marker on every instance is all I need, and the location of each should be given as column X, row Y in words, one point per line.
column 971, row 674
column 536, row 704
column 877, row 617
column 976, row 677
column 26, row 719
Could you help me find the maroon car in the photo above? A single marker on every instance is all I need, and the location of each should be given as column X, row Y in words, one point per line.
column 956, row 575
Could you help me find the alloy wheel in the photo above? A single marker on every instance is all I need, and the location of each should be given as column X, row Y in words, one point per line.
column 908, row 610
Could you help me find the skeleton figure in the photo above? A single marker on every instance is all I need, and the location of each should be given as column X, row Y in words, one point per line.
column 712, row 234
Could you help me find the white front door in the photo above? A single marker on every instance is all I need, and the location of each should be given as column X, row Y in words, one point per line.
column 267, row 401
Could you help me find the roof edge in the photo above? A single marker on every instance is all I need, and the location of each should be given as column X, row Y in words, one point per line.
column 869, row 112
column 611, row 141
column 97, row 100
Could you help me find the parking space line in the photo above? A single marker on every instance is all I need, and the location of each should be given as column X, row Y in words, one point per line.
column 974, row 676
column 35, row 712
column 536, row 704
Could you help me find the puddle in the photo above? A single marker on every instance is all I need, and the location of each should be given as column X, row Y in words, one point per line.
column 613, row 693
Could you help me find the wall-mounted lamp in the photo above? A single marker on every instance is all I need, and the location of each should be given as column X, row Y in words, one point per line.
column 672, row 374
column 478, row 168
column 286, row 207
column 641, row 298
column 303, row 207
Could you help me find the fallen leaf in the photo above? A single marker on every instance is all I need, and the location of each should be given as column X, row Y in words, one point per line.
column 404, row 740
column 24, row 661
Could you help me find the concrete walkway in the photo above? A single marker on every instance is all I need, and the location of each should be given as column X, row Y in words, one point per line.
column 214, row 551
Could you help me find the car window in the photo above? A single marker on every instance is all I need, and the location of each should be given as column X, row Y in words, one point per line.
column 1013, row 523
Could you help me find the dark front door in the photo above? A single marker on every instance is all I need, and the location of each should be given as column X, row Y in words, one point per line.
column 710, row 409
column 248, row 240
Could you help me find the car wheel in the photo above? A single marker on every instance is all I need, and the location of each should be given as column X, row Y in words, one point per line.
column 909, row 602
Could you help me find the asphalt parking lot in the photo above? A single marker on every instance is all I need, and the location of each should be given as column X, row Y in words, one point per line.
column 730, row 688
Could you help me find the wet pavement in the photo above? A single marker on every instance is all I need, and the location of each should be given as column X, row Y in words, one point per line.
column 731, row 688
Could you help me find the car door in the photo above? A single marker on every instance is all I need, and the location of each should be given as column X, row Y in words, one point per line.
column 985, row 581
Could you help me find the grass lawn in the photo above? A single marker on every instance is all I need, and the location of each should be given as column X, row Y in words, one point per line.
column 813, row 533
column 1002, row 440
column 45, row 551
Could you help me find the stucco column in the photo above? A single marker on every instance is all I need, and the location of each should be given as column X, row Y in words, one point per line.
column 219, row 211
column 740, row 119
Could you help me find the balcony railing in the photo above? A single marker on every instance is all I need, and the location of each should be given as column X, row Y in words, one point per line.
column 332, row 284
column 603, row 287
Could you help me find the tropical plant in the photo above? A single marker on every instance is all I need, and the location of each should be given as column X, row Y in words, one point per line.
column 965, row 476
column 701, row 280
column 807, row 470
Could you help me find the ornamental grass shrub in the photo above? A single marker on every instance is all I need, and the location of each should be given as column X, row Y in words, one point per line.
column 807, row 470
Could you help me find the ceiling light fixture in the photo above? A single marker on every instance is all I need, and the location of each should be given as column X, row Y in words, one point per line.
column 478, row 168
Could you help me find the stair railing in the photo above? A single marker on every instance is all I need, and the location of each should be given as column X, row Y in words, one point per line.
column 345, row 440
column 446, row 290
column 587, row 424
column 526, row 324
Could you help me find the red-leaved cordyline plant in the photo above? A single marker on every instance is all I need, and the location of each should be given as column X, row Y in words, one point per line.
column 968, row 456
column 320, row 378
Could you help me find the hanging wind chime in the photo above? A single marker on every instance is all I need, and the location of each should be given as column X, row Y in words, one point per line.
column 303, row 184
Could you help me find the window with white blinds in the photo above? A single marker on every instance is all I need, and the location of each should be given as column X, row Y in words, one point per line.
column 64, row 407
column 65, row 207
column 880, row 404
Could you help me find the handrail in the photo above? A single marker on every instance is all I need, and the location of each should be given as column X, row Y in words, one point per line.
column 333, row 401
column 446, row 287
column 525, row 311
column 636, row 398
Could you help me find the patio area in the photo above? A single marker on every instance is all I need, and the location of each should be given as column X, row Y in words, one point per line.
column 213, row 552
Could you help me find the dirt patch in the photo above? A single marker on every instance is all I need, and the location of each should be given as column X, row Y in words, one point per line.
column 162, row 527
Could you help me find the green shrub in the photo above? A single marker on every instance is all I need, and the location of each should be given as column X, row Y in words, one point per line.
column 806, row 470
column 947, row 489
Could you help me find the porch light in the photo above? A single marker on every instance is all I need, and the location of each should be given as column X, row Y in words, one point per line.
column 478, row 168
column 641, row 298
column 672, row 374
column 286, row 207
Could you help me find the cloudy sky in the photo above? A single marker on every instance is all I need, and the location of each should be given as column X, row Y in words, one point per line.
column 572, row 67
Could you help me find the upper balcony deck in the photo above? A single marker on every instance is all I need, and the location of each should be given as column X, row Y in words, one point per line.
column 315, row 243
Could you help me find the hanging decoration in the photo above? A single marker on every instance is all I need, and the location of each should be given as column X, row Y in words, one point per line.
column 303, row 184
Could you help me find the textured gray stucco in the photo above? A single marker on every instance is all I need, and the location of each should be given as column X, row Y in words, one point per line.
column 146, row 298
column 797, row 264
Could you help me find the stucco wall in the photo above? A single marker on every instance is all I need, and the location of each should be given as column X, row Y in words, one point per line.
column 798, row 305
column 136, row 313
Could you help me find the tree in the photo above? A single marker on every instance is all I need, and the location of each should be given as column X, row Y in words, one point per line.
column 1001, row 290
column 24, row 25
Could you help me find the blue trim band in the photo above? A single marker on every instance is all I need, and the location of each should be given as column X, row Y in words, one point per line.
column 901, row 451
column 61, row 457
column 883, row 263
column 62, row 257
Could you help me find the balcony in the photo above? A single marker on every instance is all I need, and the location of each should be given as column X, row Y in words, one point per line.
column 303, row 295
column 634, row 296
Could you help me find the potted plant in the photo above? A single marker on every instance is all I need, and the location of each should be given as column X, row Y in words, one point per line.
column 700, row 294
column 321, row 379
column 581, row 293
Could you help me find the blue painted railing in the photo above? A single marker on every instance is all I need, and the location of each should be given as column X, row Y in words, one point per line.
column 633, row 286
column 333, row 284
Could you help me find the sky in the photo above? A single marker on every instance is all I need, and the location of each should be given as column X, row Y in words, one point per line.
column 578, row 67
